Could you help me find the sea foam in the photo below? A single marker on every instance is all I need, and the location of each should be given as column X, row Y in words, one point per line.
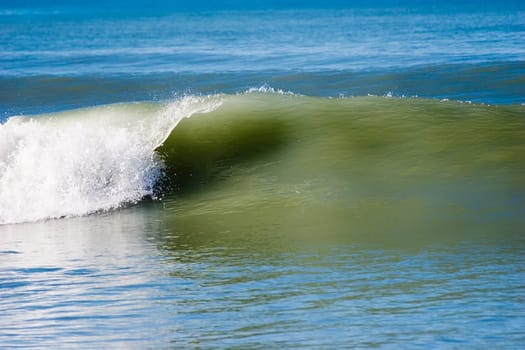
column 84, row 161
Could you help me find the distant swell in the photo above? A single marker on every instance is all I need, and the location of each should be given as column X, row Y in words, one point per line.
column 84, row 161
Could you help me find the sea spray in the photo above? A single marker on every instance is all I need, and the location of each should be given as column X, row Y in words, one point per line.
column 79, row 162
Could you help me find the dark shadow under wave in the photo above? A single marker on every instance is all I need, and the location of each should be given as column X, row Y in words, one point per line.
column 201, row 149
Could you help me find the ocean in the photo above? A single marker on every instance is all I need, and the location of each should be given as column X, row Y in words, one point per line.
column 262, row 174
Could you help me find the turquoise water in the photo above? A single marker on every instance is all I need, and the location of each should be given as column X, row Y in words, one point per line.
column 259, row 174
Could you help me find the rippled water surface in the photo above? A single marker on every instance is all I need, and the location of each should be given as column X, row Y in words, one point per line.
column 125, row 279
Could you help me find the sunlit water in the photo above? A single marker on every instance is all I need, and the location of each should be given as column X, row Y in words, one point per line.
column 126, row 279
column 257, row 217
column 402, row 228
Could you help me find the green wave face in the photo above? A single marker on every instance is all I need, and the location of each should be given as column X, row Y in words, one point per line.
column 366, row 169
column 276, row 167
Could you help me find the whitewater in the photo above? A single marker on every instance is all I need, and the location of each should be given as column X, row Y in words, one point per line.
column 84, row 161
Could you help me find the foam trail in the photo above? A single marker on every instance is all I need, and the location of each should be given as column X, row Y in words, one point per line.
column 79, row 162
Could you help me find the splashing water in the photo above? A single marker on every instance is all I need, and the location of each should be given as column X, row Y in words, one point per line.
column 84, row 161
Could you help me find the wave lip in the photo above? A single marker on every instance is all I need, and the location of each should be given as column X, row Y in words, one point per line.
column 80, row 162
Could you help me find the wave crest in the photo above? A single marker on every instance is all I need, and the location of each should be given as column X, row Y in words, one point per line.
column 79, row 162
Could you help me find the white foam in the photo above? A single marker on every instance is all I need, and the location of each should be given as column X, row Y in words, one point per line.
column 84, row 161
column 265, row 89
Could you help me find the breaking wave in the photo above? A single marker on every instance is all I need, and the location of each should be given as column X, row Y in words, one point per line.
column 83, row 161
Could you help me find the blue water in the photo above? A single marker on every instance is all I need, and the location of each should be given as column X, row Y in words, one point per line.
column 334, row 220
column 61, row 55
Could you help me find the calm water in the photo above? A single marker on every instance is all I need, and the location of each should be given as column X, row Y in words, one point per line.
column 253, row 174
column 129, row 280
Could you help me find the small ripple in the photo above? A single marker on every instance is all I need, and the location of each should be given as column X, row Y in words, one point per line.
column 79, row 272
column 32, row 270
column 9, row 252
column 11, row 285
